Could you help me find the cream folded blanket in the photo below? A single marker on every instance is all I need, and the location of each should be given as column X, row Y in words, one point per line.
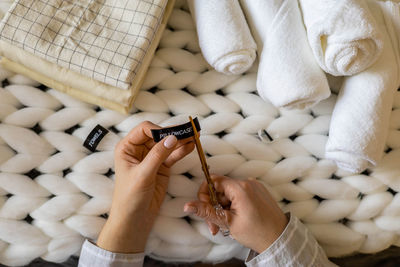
column 64, row 80
column 104, row 40
column 224, row 36
column 288, row 74
column 97, row 51
column 343, row 35
column 360, row 120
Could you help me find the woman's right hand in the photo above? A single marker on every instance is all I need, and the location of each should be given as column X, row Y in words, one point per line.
column 253, row 216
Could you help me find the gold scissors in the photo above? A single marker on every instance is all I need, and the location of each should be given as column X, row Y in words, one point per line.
column 211, row 189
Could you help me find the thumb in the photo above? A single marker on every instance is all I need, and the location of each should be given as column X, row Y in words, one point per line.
column 205, row 211
column 159, row 153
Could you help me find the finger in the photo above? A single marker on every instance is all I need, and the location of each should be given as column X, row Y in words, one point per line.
column 212, row 227
column 223, row 200
column 165, row 168
column 206, row 212
column 141, row 133
column 158, row 154
column 203, row 194
column 228, row 186
column 225, row 185
column 150, row 143
column 178, row 154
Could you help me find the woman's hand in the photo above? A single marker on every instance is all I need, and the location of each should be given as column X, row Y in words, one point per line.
column 141, row 180
column 253, row 216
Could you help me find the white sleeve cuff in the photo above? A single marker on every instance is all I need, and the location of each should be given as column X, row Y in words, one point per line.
column 294, row 247
column 92, row 255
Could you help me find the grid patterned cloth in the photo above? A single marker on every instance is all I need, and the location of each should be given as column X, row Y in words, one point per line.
column 103, row 39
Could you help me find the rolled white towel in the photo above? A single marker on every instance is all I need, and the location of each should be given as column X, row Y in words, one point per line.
column 360, row 120
column 288, row 74
column 224, row 36
column 256, row 12
column 343, row 35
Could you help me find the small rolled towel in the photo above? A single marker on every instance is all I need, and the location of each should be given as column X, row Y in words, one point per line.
column 343, row 35
column 224, row 36
column 288, row 74
column 360, row 120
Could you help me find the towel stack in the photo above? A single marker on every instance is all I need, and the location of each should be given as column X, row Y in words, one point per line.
column 360, row 120
column 95, row 50
column 297, row 41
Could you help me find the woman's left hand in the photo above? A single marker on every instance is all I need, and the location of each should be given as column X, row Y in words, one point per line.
column 141, row 179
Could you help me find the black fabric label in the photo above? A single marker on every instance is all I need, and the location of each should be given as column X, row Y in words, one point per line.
column 94, row 138
column 180, row 131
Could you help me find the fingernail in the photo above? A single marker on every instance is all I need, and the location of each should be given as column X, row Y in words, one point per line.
column 213, row 231
column 190, row 209
column 170, row 142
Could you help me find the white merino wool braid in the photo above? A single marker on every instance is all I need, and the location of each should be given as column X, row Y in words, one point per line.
column 54, row 193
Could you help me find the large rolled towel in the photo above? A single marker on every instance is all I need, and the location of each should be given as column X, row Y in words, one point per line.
column 224, row 36
column 288, row 74
column 255, row 12
column 343, row 35
column 360, row 120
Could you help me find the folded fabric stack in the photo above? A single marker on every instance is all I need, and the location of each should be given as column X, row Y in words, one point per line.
column 297, row 41
column 94, row 50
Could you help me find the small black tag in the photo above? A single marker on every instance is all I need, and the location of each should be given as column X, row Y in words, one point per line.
column 180, row 131
column 94, row 138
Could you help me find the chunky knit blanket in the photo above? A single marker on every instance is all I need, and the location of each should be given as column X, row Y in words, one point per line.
column 54, row 193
